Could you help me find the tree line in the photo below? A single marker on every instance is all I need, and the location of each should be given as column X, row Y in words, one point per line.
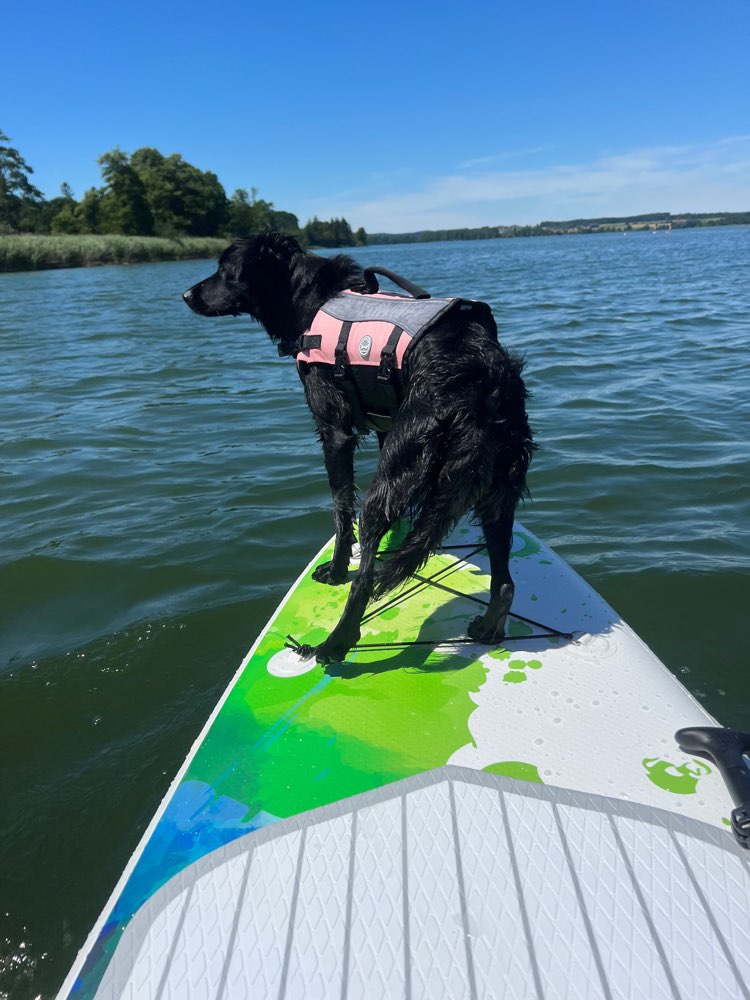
column 146, row 193
column 436, row 235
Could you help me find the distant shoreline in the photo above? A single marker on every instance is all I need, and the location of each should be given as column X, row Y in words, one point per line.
column 573, row 227
column 38, row 252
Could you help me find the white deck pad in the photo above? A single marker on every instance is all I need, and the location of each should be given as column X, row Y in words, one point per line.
column 454, row 884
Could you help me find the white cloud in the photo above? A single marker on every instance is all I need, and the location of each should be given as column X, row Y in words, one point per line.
column 691, row 178
column 511, row 154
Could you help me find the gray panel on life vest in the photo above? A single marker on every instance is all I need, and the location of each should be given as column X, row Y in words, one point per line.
column 412, row 315
column 454, row 883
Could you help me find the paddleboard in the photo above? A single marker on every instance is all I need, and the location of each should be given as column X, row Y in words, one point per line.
column 436, row 818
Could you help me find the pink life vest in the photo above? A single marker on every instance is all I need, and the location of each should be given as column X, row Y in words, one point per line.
column 366, row 339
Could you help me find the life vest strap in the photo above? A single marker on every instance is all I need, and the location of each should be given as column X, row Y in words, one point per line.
column 309, row 342
column 388, row 355
column 340, row 352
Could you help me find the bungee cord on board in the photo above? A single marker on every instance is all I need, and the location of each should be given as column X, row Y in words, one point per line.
column 435, row 580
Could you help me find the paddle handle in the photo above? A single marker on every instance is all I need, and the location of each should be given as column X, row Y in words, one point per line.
column 727, row 749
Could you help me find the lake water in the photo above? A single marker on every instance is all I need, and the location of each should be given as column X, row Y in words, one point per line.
column 162, row 486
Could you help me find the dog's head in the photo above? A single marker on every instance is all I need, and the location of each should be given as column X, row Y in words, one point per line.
column 275, row 281
column 253, row 274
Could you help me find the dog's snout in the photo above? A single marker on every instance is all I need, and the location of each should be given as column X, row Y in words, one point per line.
column 188, row 296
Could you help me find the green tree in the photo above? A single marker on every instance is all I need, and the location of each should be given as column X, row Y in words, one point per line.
column 315, row 232
column 17, row 194
column 83, row 217
column 77, row 217
column 66, row 220
column 247, row 213
column 124, row 205
column 51, row 209
column 182, row 198
column 334, row 233
column 283, row 222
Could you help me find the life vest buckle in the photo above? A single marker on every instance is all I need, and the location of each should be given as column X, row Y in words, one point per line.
column 385, row 369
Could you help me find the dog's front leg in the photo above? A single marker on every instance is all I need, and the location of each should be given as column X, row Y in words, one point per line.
column 347, row 632
column 338, row 452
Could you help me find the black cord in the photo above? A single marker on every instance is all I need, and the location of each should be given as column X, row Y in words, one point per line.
column 305, row 650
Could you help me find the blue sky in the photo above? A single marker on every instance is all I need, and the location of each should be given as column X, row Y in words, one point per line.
column 399, row 116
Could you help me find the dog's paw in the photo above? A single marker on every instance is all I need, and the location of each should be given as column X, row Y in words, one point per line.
column 326, row 654
column 486, row 631
column 327, row 574
column 335, row 648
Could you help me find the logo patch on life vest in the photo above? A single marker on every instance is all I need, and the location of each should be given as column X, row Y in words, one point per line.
column 365, row 346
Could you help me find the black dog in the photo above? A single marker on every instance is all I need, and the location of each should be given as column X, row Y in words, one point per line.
column 459, row 439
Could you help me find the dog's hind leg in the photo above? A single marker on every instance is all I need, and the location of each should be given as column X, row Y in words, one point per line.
column 498, row 534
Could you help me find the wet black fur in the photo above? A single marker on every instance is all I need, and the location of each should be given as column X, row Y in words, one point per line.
column 459, row 442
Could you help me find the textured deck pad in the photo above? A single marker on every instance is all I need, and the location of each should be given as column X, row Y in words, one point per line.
column 451, row 885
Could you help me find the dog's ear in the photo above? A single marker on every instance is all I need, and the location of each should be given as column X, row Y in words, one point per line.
column 279, row 246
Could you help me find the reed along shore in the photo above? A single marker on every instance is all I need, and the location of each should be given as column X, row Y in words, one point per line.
column 19, row 252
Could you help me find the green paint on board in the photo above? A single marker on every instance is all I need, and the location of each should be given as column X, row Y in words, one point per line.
column 679, row 779
column 517, row 670
column 500, row 654
column 390, row 614
column 517, row 629
column 523, row 664
column 529, row 546
column 515, row 769
column 283, row 745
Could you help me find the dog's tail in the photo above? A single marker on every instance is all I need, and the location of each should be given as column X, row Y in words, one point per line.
column 451, row 482
column 461, row 443
column 428, row 529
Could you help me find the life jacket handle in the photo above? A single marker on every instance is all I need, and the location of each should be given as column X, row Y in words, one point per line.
column 408, row 286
